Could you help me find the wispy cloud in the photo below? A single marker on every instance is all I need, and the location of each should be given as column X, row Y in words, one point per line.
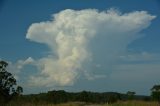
column 137, row 73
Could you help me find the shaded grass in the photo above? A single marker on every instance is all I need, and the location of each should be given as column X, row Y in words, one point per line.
column 46, row 104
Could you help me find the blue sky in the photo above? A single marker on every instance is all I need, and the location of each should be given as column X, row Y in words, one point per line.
column 135, row 68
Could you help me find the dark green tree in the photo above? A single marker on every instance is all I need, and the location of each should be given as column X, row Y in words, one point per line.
column 84, row 96
column 130, row 95
column 7, row 83
column 19, row 90
column 155, row 93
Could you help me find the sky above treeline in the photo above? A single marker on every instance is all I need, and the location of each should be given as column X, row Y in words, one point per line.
column 75, row 45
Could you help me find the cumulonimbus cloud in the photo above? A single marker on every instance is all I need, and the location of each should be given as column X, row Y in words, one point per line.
column 77, row 38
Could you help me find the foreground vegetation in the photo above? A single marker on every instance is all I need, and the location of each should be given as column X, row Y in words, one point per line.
column 119, row 103
column 61, row 96
column 134, row 103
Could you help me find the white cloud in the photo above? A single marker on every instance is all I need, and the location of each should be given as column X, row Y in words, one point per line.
column 16, row 67
column 21, row 63
column 78, row 38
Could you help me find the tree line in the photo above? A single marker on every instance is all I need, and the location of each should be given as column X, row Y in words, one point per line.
column 62, row 96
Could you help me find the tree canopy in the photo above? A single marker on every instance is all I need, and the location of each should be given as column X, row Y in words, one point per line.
column 7, row 83
column 155, row 94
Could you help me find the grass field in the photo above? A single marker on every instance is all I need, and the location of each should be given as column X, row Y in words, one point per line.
column 120, row 103
column 134, row 103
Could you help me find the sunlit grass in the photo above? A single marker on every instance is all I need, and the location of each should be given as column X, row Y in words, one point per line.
column 120, row 103
column 133, row 103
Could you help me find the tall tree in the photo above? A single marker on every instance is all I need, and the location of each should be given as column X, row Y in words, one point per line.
column 7, row 83
column 155, row 93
